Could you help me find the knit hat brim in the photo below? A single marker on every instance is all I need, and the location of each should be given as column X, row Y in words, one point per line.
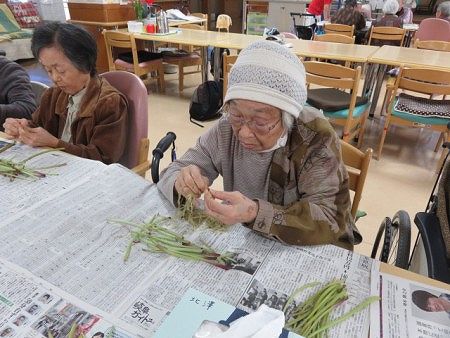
column 257, row 93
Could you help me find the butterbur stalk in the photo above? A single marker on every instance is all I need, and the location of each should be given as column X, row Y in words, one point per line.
column 311, row 319
column 157, row 238
column 196, row 217
column 13, row 169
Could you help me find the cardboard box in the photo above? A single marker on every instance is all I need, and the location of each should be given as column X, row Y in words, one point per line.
column 101, row 12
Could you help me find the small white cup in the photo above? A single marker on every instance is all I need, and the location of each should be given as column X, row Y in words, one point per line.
column 135, row 26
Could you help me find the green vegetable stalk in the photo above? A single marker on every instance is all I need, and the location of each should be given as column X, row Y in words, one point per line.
column 13, row 170
column 312, row 318
column 195, row 216
column 157, row 238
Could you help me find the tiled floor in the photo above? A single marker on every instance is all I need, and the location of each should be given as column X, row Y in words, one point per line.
column 402, row 179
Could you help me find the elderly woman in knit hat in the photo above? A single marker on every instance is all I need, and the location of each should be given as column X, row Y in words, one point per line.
column 280, row 161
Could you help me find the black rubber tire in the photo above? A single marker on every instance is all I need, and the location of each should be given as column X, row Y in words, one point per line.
column 400, row 240
column 381, row 238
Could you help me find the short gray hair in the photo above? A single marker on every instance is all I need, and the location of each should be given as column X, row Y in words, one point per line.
column 288, row 120
column 444, row 8
column 390, row 7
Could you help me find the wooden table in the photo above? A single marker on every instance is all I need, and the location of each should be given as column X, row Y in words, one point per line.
column 402, row 56
column 305, row 48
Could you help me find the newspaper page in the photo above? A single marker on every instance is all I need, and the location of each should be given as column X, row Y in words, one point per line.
column 29, row 307
column 408, row 308
column 19, row 194
column 71, row 240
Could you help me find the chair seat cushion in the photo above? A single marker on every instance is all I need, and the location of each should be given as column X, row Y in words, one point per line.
column 422, row 106
column 179, row 55
column 422, row 119
column 143, row 56
column 343, row 113
column 332, row 99
column 129, row 66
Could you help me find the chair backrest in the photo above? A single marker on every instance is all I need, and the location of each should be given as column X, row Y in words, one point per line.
column 38, row 89
column 433, row 29
column 202, row 16
column 289, row 35
column 441, row 46
column 357, row 164
column 330, row 37
column 130, row 85
column 423, row 81
column 116, row 39
column 228, row 61
column 337, row 28
column 391, row 34
column 223, row 21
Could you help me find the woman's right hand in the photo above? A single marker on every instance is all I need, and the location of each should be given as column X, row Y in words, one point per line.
column 190, row 181
column 12, row 126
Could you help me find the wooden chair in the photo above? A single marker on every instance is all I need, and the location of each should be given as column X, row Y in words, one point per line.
column 339, row 38
column 201, row 16
column 223, row 21
column 228, row 61
column 441, row 46
column 115, row 39
column 357, row 164
column 337, row 28
column 387, row 35
column 418, row 81
column 342, row 108
column 193, row 58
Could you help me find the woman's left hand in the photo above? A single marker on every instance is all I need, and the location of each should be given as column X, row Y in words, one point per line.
column 230, row 207
column 37, row 137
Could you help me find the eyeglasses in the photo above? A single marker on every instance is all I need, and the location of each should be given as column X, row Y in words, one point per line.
column 258, row 128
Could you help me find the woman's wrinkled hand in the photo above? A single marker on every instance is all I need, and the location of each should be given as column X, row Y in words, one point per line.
column 37, row 137
column 190, row 181
column 12, row 126
column 230, row 207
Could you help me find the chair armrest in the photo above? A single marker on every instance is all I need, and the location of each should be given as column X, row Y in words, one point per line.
column 142, row 168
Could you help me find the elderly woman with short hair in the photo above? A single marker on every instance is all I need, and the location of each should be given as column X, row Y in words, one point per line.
column 280, row 161
column 82, row 113
column 390, row 19
column 443, row 11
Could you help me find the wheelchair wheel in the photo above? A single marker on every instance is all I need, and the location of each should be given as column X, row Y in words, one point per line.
column 400, row 240
column 395, row 238
column 383, row 237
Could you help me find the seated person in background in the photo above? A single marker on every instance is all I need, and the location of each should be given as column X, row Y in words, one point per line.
column 443, row 11
column 405, row 12
column 16, row 96
column 349, row 15
column 280, row 161
column 82, row 113
column 389, row 18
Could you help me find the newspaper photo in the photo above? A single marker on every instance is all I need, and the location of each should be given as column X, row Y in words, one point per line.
column 409, row 309
column 30, row 308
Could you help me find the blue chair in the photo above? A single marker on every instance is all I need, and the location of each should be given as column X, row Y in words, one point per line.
column 338, row 96
column 413, row 109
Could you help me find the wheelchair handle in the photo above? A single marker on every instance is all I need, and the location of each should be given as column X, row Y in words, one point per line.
column 164, row 144
column 158, row 153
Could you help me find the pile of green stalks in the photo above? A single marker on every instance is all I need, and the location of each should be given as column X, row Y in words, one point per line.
column 311, row 319
column 195, row 216
column 157, row 238
column 13, row 169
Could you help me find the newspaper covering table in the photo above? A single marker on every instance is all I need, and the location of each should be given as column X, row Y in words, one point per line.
column 404, row 309
column 59, row 230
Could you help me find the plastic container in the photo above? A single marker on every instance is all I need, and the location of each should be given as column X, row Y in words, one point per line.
column 135, row 26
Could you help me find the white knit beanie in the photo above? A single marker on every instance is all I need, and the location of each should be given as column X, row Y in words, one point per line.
column 269, row 73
